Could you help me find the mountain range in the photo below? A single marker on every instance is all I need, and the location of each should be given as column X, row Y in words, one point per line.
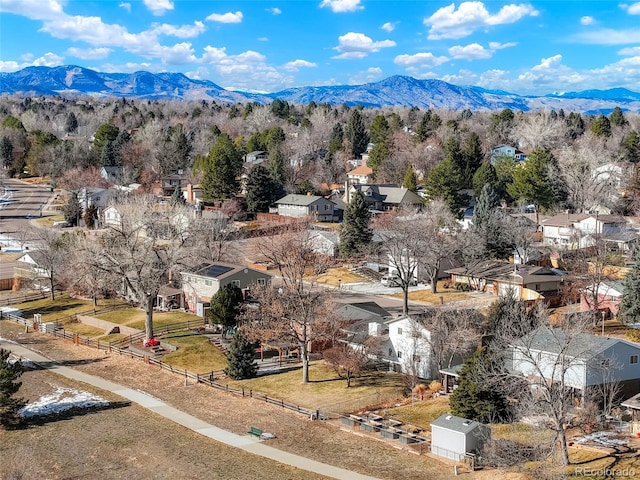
column 393, row 91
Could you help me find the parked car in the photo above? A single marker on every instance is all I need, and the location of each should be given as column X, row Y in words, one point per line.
column 392, row 280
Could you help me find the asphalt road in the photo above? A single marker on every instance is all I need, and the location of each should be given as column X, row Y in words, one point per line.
column 21, row 202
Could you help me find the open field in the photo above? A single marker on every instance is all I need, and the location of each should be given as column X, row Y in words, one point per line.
column 295, row 433
column 123, row 442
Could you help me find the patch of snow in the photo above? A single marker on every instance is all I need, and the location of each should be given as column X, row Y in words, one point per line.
column 603, row 438
column 61, row 400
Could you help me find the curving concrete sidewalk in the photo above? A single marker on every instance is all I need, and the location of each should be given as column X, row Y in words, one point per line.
column 246, row 443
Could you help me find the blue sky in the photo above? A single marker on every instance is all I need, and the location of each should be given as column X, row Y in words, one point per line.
column 533, row 47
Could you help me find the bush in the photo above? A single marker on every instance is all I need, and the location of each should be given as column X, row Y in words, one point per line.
column 633, row 335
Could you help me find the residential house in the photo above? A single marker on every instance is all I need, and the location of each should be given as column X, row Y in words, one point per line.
column 201, row 284
column 325, row 242
column 361, row 175
column 456, row 437
column 97, row 197
column 111, row 216
column 593, row 360
column 571, row 231
column 384, row 197
column 524, row 282
column 31, row 267
column 298, row 206
column 168, row 183
column 409, row 348
column 112, row 173
column 257, row 157
column 507, row 151
column 604, row 297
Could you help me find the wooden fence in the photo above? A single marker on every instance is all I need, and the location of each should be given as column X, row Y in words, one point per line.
column 204, row 378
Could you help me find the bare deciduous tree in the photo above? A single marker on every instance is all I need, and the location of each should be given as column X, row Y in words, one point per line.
column 150, row 243
column 294, row 313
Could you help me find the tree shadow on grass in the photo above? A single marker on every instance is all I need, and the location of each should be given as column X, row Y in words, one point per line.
column 69, row 414
column 62, row 363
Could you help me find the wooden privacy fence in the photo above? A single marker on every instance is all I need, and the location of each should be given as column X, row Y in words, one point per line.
column 208, row 378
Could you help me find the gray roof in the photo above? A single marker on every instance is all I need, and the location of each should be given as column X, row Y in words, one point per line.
column 574, row 344
column 452, row 371
column 368, row 307
column 457, row 424
column 304, row 200
column 388, row 193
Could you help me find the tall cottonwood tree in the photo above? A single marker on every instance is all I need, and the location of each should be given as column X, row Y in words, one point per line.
column 139, row 253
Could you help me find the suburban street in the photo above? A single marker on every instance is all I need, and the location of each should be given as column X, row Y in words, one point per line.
column 20, row 201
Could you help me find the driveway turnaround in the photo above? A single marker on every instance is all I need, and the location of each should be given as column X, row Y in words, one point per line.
column 246, row 443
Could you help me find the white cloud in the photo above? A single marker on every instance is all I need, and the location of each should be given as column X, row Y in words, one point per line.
column 125, row 6
column 158, row 7
column 245, row 70
column 33, row 9
column 88, row 53
column 633, row 9
column 179, row 54
column 342, row 6
column 388, row 27
column 549, row 73
column 357, row 45
column 367, row 76
column 473, row 51
column 298, row 64
column 228, row 17
column 608, row 36
column 424, row 59
column 447, row 22
column 274, row 11
column 184, row 31
column 47, row 60
column 629, row 51
column 587, row 20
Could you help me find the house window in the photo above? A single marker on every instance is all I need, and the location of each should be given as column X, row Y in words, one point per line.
column 633, row 359
column 236, row 283
column 399, row 331
column 390, row 351
column 416, row 359
column 261, row 281
column 399, row 354
column 207, row 283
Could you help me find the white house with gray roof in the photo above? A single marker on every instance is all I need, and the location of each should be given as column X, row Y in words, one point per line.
column 583, row 360
column 298, row 206
column 454, row 437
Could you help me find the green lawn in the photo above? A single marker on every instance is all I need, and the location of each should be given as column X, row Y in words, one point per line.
column 194, row 353
column 135, row 317
column 325, row 387
column 63, row 306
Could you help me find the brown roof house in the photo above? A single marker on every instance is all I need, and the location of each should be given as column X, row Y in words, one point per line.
column 205, row 280
column 524, row 282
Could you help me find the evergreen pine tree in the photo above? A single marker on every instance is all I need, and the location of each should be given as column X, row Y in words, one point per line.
column 262, row 190
column 629, row 311
column 356, row 231
column 356, row 133
column 472, row 399
column 224, row 165
column 72, row 211
column 225, row 306
column 485, row 174
column 487, row 204
column 9, row 386
column 177, row 198
column 631, row 147
column 488, row 222
column 444, row 182
column 71, row 123
column 617, row 118
column 410, row 181
column 241, row 358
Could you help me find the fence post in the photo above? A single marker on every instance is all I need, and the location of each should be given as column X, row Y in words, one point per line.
column 242, row 392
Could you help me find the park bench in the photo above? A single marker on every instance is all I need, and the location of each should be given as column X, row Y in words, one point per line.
column 256, row 432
